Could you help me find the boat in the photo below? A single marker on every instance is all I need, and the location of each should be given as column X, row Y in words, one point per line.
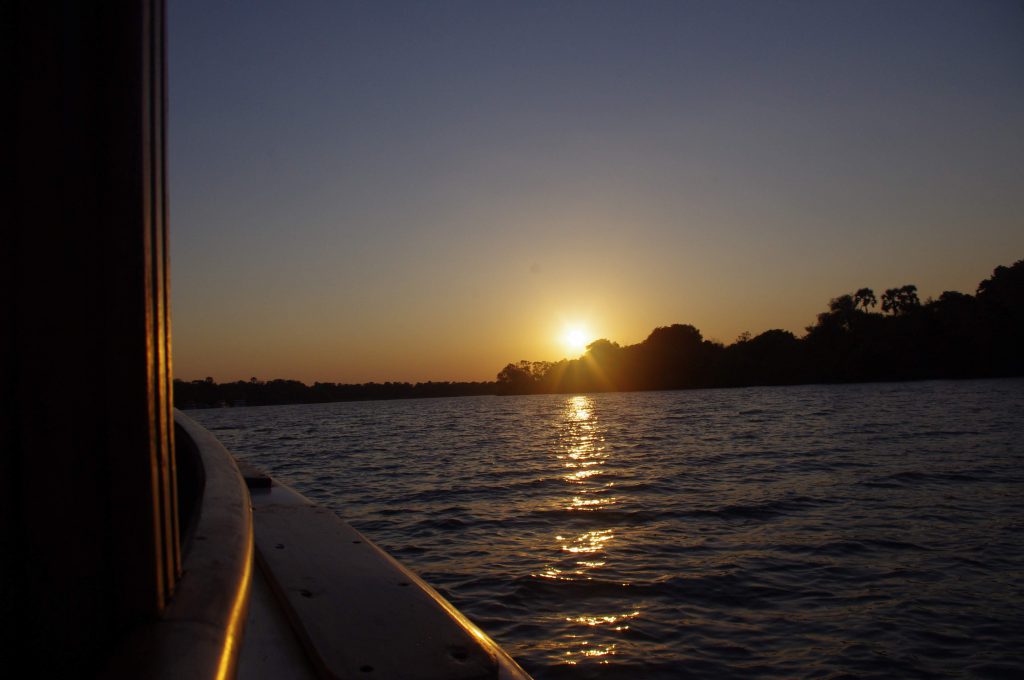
column 134, row 543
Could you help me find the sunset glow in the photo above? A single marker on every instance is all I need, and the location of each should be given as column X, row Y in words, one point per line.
column 575, row 339
column 436, row 214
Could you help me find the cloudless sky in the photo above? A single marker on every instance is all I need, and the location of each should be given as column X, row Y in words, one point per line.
column 430, row 190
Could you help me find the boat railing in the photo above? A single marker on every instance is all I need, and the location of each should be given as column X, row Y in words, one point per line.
column 345, row 606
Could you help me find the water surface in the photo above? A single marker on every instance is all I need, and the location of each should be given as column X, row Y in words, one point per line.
column 813, row 531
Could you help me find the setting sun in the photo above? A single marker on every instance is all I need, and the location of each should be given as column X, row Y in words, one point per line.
column 575, row 339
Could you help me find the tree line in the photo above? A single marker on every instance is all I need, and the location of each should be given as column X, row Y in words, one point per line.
column 955, row 336
column 860, row 338
column 254, row 392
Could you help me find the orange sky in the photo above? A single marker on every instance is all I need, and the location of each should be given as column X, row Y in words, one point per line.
column 363, row 192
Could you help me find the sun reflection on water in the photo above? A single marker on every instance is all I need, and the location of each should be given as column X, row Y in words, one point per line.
column 583, row 455
column 581, row 407
column 587, row 649
column 614, row 621
column 587, row 542
column 583, row 553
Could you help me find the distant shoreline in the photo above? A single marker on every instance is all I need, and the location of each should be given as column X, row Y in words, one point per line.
column 243, row 403
column 957, row 336
column 209, row 394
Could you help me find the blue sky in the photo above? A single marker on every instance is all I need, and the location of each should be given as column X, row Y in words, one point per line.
column 429, row 190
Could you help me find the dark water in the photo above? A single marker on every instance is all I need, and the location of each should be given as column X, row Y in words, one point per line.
column 815, row 531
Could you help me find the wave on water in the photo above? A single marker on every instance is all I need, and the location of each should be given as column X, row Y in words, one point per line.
column 810, row 531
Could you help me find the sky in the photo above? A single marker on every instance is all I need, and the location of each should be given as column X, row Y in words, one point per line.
column 411, row 191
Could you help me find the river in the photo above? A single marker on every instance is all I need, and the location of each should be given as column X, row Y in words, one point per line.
column 786, row 532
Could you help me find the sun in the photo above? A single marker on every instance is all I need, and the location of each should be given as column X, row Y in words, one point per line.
column 575, row 339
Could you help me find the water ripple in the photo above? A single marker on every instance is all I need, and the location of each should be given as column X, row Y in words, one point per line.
column 813, row 531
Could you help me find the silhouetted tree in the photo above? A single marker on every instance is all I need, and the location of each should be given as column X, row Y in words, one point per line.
column 603, row 347
column 1000, row 300
column 900, row 300
column 523, row 378
column 843, row 310
column 956, row 336
column 865, row 298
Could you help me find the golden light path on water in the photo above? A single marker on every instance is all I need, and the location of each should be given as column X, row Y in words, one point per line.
column 584, row 457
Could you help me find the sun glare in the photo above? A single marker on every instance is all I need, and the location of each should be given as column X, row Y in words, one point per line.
column 575, row 339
